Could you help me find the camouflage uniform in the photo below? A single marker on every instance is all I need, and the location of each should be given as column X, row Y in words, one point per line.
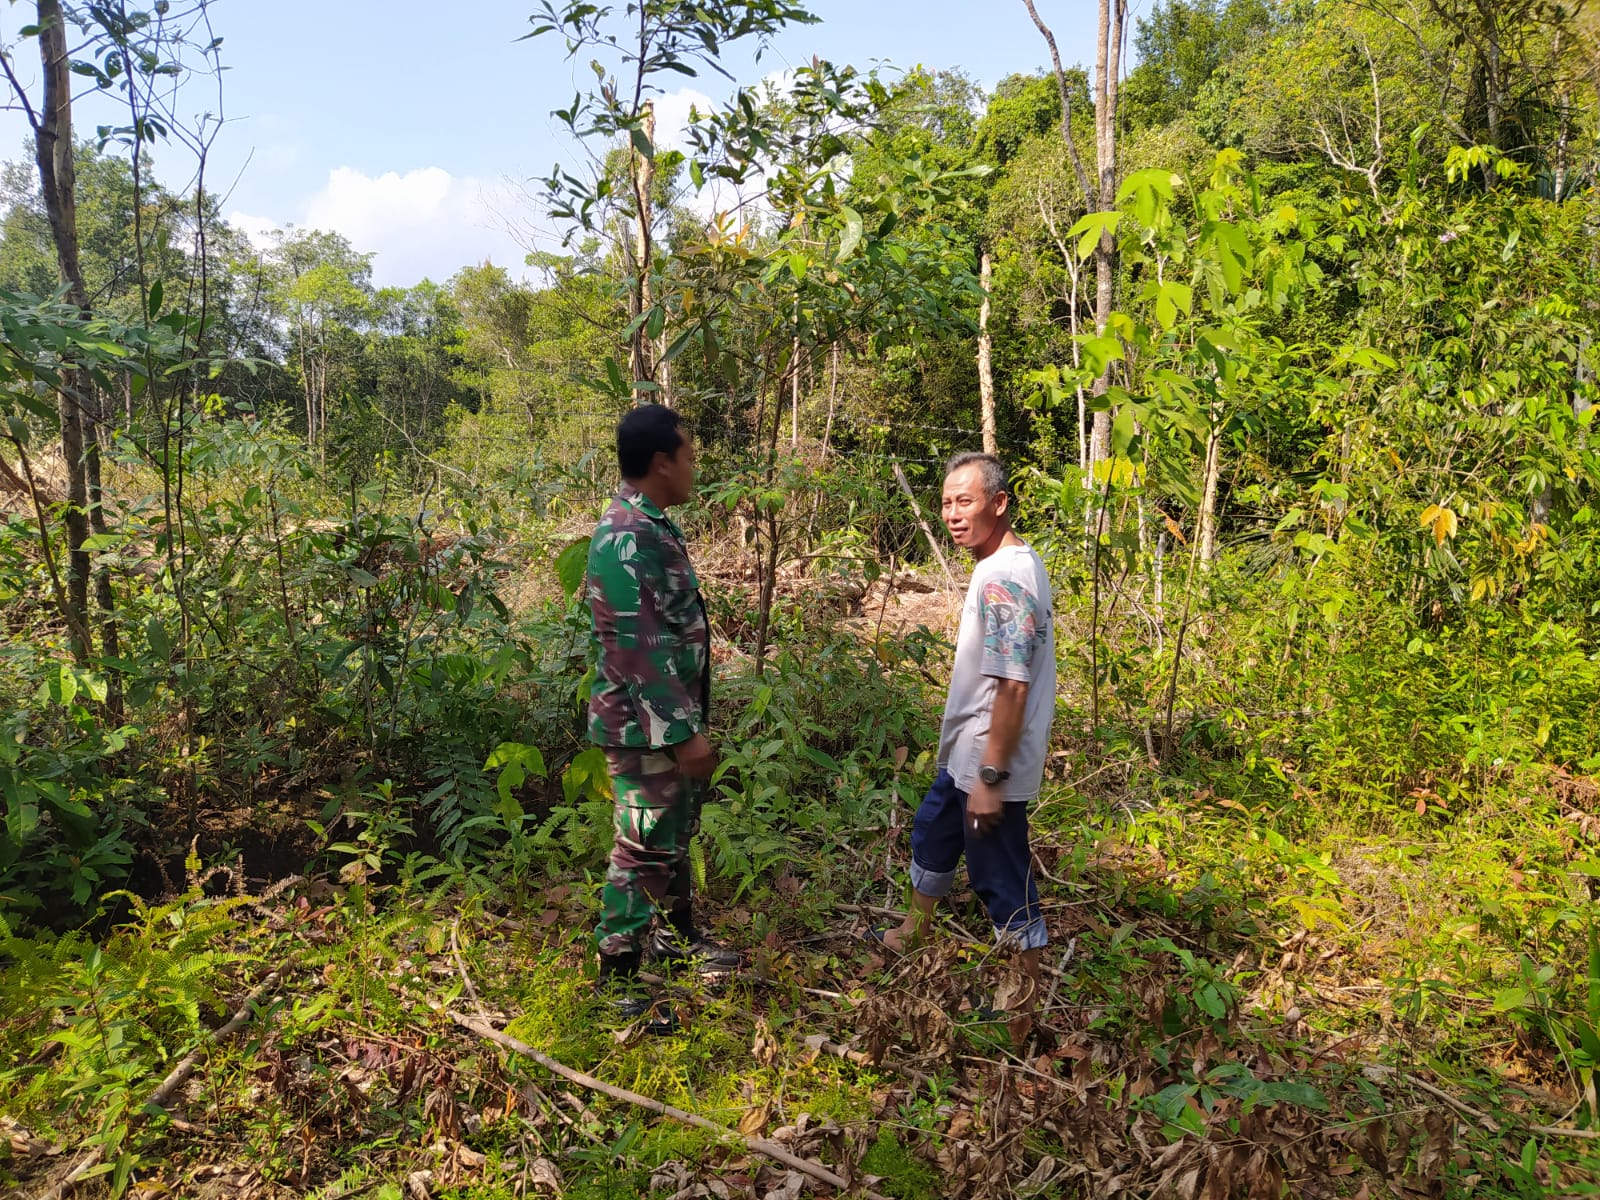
column 652, row 690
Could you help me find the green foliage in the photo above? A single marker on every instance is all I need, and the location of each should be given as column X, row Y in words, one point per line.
column 1328, row 608
column 1180, row 44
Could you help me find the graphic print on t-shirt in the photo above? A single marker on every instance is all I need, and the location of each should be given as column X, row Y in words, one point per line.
column 1011, row 630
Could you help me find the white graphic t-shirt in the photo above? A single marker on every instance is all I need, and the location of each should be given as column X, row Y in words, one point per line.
column 1007, row 632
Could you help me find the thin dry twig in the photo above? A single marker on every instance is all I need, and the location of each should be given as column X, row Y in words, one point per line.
column 461, row 965
column 754, row 1144
column 1490, row 1123
column 938, row 551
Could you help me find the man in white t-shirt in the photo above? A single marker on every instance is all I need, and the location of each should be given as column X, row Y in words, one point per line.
column 996, row 729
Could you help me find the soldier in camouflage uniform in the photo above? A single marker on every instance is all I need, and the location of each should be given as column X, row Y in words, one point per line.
column 649, row 706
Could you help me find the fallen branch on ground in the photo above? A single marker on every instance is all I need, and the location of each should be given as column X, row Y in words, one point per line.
column 754, row 1144
column 1483, row 1118
column 169, row 1086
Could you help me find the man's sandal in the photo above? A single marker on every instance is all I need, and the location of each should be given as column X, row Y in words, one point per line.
column 875, row 935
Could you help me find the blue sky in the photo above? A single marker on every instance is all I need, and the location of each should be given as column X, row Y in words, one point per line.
column 418, row 135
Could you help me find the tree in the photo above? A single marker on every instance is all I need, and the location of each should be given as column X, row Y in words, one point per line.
column 55, row 157
column 127, row 53
column 651, row 38
column 1181, row 44
column 936, row 117
column 537, row 355
column 411, row 362
column 1101, row 195
column 322, row 288
column 1344, row 86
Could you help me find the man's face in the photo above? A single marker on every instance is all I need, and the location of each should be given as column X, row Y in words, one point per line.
column 677, row 471
column 969, row 514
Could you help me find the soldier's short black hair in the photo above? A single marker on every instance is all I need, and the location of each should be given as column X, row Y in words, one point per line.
column 644, row 432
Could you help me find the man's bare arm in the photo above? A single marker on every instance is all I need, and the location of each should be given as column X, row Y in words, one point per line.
column 1005, row 722
column 1005, row 731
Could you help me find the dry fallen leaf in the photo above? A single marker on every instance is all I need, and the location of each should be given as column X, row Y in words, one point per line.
column 754, row 1120
column 1013, row 992
column 542, row 1173
column 1040, row 1179
column 763, row 1046
column 791, row 1187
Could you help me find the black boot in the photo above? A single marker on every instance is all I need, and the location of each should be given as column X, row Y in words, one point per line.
column 678, row 943
column 625, row 996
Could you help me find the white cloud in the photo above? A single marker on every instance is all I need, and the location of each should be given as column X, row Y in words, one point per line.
column 718, row 196
column 258, row 229
column 423, row 223
column 672, row 116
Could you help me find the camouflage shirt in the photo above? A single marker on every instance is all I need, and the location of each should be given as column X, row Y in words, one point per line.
column 652, row 640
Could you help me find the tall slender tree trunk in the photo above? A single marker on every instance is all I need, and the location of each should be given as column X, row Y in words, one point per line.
column 309, row 388
column 1101, row 194
column 53, row 152
column 1207, row 531
column 1107, row 64
column 663, row 370
column 641, row 348
column 794, row 393
column 991, row 441
column 833, row 398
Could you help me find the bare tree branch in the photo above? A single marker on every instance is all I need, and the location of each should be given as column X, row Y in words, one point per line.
column 1066, row 105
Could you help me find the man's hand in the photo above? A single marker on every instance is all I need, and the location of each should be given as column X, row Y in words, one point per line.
column 983, row 809
column 696, row 758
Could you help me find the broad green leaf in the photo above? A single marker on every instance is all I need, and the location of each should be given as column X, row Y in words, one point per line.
column 60, row 685
column 22, row 817
column 1172, row 299
column 571, row 566
column 853, row 230
column 1302, row 1094
column 1098, row 353
column 1150, row 190
column 1510, row 999
column 678, row 345
column 619, row 385
column 1123, row 430
column 1088, row 229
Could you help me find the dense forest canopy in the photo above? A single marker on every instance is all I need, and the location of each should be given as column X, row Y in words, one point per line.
column 1282, row 314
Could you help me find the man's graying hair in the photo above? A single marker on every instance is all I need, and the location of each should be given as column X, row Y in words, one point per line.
column 993, row 471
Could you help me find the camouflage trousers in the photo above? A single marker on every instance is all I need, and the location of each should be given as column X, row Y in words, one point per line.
column 657, row 812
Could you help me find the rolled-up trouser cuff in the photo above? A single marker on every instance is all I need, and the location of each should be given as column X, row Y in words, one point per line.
column 932, row 883
column 1031, row 936
column 999, row 863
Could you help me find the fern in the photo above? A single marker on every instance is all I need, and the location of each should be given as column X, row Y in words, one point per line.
column 697, row 864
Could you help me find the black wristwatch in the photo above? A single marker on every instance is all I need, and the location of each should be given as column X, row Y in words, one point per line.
column 993, row 775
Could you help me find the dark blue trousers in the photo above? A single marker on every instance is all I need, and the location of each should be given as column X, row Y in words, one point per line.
column 1000, row 864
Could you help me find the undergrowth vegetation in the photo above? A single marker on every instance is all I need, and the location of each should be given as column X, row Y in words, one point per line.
column 1356, row 872
column 302, row 836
